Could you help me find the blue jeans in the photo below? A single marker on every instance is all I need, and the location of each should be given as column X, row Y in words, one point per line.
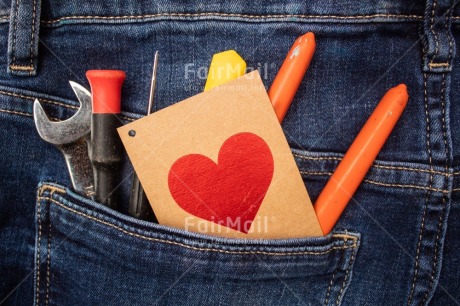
column 397, row 242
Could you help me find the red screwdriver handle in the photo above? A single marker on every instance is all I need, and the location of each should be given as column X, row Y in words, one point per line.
column 106, row 147
column 106, row 90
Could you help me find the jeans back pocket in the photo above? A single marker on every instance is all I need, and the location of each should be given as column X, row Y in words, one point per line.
column 88, row 254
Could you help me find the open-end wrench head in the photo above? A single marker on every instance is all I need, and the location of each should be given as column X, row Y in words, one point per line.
column 66, row 131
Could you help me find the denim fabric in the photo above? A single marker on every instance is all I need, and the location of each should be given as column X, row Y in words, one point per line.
column 396, row 243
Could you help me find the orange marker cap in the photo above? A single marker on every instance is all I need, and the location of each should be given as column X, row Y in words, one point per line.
column 291, row 73
column 359, row 158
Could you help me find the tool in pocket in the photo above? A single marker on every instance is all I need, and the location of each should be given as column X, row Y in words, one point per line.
column 70, row 137
column 139, row 206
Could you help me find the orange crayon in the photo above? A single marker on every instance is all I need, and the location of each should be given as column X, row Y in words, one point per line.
column 287, row 81
column 359, row 158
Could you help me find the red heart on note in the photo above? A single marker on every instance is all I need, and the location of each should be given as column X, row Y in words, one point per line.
column 229, row 192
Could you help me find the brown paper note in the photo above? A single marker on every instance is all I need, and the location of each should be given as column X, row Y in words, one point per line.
column 218, row 163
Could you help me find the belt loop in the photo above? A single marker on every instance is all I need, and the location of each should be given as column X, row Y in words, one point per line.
column 23, row 37
column 438, row 42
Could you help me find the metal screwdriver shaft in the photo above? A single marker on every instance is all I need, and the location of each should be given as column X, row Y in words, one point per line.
column 139, row 206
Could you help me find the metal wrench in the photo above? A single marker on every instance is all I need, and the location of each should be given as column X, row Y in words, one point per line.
column 71, row 138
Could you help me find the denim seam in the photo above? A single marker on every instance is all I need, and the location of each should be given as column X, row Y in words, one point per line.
column 378, row 166
column 428, row 193
column 441, row 215
column 316, row 172
column 436, row 39
column 37, row 293
column 430, row 188
column 280, row 16
column 49, row 102
column 316, row 158
column 20, row 67
column 383, row 184
column 48, row 260
column 352, row 246
column 347, row 274
column 52, row 189
column 32, row 36
column 451, row 47
column 6, row 18
column 326, row 300
column 16, row 113
column 13, row 49
column 449, row 37
column 437, row 65
column 412, row 169
column 6, row 93
column 13, row 66
column 8, row 111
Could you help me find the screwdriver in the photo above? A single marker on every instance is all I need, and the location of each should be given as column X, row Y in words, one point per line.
column 139, row 206
column 106, row 147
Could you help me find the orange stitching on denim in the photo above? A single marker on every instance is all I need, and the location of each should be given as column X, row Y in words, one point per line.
column 449, row 36
column 345, row 237
column 127, row 118
column 315, row 173
column 7, row 111
column 280, row 16
column 435, row 65
column 430, row 188
column 329, row 288
column 438, row 234
column 412, row 169
column 20, row 67
column 326, row 300
column 51, row 188
column 7, row 93
column 347, row 274
column 436, row 40
column 422, row 228
column 16, row 7
column 381, row 183
column 48, row 260
column 317, row 158
column 441, row 215
column 15, row 112
column 354, row 239
column 52, row 118
column 32, row 36
column 37, row 293
column 377, row 166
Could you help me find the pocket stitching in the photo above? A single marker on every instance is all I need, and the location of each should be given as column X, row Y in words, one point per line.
column 45, row 100
column 326, row 300
column 347, row 274
column 48, row 261
column 37, row 263
column 345, row 237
